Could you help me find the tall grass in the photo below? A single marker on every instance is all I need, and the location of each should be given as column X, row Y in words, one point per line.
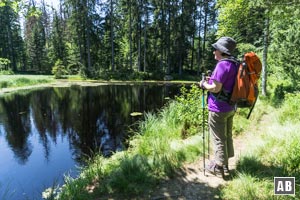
column 273, row 152
column 7, row 81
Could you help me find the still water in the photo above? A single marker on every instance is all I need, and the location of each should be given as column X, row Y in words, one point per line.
column 45, row 134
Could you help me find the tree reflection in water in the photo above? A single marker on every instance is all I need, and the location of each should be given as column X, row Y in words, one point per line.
column 91, row 119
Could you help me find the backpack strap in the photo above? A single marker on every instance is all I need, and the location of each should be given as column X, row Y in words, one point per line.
column 231, row 58
column 225, row 95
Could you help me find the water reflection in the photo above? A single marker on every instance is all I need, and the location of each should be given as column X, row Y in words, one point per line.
column 68, row 123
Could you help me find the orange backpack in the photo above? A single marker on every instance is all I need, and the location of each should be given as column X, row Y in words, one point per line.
column 245, row 90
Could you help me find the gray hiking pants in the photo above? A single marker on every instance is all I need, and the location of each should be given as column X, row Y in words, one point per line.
column 220, row 126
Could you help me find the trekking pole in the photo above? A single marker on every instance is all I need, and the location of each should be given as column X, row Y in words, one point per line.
column 203, row 124
column 208, row 134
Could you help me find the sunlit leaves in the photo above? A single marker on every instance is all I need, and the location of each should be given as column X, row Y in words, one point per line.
column 286, row 42
column 240, row 20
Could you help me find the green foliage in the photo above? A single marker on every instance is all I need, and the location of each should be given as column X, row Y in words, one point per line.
column 59, row 70
column 245, row 47
column 159, row 37
column 11, row 43
column 291, row 159
column 237, row 18
column 280, row 92
column 4, row 63
column 74, row 68
column 285, row 49
column 190, row 110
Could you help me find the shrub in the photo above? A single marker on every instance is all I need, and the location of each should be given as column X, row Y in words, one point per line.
column 59, row 70
column 189, row 109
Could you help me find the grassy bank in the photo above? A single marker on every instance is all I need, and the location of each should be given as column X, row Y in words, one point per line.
column 273, row 151
column 10, row 81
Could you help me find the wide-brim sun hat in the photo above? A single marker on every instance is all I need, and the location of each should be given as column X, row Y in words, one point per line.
column 225, row 45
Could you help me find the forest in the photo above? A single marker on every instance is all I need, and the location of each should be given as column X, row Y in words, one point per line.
column 145, row 38
column 153, row 39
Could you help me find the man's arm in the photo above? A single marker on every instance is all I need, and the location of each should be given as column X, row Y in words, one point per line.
column 215, row 87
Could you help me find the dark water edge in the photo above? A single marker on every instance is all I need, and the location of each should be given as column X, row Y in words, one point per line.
column 47, row 133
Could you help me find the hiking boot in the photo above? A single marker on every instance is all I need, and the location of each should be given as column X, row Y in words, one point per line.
column 215, row 169
column 226, row 170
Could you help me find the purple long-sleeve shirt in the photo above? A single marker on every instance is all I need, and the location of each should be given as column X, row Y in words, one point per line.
column 225, row 73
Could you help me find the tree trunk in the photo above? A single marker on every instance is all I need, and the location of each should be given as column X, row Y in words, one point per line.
column 182, row 26
column 199, row 41
column 193, row 37
column 169, row 40
column 112, row 36
column 265, row 55
column 139, row 35
column 88, row 45
column 204, row 36
column 130, row 35
column 145, row 39
column 162, row 33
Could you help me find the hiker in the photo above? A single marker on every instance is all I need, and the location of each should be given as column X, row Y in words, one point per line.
column 220, row 117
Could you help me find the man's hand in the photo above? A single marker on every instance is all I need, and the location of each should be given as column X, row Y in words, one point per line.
column 201, row 84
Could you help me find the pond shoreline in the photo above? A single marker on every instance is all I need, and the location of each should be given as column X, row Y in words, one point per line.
column 70, row 83
column 70, row 122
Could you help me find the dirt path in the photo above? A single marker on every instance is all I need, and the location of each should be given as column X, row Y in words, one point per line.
column 190, row 183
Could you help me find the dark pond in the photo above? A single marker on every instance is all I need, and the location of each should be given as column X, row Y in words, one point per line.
column 45, row 134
